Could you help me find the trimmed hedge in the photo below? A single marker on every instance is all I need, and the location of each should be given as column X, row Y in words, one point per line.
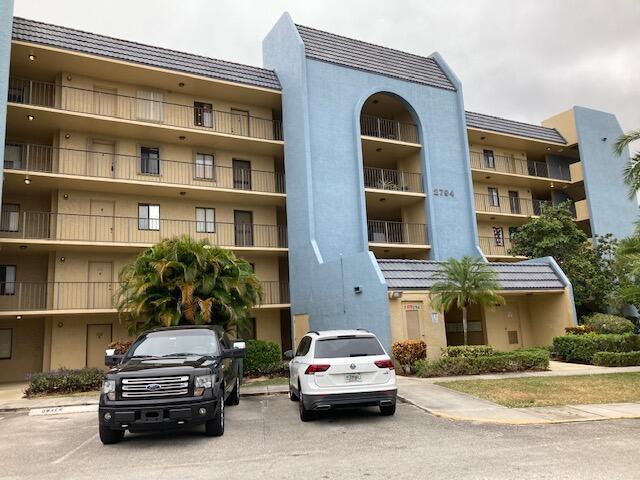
column 64, row 381
column 408, row 352
column 604, row 323
column 617, row 359
column 262, row 358
column 468, row 351
column 582, row 348
column 580, row 329
column 516, row 361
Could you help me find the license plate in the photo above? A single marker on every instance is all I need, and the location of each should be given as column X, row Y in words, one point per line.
column 352, row 378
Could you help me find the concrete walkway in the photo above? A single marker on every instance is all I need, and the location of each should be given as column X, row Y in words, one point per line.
column 453, row 405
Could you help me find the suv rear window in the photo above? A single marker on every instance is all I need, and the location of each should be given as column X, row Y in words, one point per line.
column 348, row 347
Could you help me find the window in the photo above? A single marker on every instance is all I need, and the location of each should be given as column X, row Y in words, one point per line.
column 13, row 156
column 494, row 198
column 303, row 347
column 148, row 216
column 203, row 114
column 514, row 201
column 342, row 347
column 498, row 236
column 248, row 330
column 204, row 166
column 6, row 335
column 241, row 174
column 149, row 106
column 150, row 160
column 489, row 159
column 10, row 221
column 205, row 220
column 7, row 279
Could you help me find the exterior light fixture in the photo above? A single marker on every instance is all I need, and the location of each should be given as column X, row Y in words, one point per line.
column 62, row 259
column 181, row 84
column 395, row 294
column 27, row 181
column 18, row 317
column 548, row 148
column 182, row 194
column 60, row 324
column 483, row 138
column 66, row 196
column 604, row 139
column 23, row 247
column 378, row 149
column 67, row 136
column 182, row 137
column 487, row 177
column 383, row 199
column 32, row 57
column 31, row 118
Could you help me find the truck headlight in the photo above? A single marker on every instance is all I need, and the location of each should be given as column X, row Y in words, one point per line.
column 202, row 382
column 109, row 389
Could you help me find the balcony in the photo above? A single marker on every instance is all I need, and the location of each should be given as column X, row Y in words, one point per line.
column 392, row 180
column 45, row 159
column 517, row 166
column 386, row 232
column 507, row 206
column 51, row 297
column 63, row 228
column 493, row 248
column 386, row 129
column 144, row 109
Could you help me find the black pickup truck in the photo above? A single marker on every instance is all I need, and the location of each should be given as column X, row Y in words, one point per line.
column 171, row 377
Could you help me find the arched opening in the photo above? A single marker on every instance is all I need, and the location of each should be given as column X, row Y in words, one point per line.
column 393, row 178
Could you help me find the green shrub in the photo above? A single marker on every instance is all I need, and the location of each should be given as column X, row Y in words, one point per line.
column 617, row 359
column 516, row 361
column 263, row 358
column 468, row 351
column 604, row 323
column 580, row 329
column 582, row 348
column 64, row 381
column 408, row 352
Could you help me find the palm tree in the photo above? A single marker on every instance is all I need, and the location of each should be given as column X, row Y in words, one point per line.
column 462, row 283
column 182, row 281
column 632, row 169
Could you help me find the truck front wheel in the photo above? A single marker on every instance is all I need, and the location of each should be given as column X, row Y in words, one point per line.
column 109, row 436
column 215, row 426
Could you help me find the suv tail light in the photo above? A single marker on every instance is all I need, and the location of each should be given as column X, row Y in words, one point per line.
column 384, row 364
column 311, row 369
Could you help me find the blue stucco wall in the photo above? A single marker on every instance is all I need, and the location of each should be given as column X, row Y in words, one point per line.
column 6, row 21
column 328, row 247
column 610, row 209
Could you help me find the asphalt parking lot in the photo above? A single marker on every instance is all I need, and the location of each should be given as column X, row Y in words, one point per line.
column 265, row 439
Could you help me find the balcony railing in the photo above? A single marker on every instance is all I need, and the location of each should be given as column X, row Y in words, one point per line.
column 66, row 161
column 388, row 129
column 517, row 166
column 147, row 107
column 491, row 246
column 132, row 230
column 383, row 231
column 384, row 179
column 34, row 296
column 508, row 205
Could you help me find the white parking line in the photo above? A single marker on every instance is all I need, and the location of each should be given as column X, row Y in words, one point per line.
column 62, row 410
column 71, row 452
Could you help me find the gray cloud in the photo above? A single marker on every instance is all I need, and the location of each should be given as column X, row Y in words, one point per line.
column 526, row 59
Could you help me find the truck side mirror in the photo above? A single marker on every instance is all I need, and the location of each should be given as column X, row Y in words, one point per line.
column 288, row 354
column 240, row 344
column 110, row 357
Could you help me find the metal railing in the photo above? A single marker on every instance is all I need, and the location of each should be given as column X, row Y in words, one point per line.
column 67, row 161
column 383, row 231
column 371, row 126
column 384, row 179
column 34, row 296
column 508, row 205
column 147, row 107
column 491, row 246
column 517, row 166
column 133, row 230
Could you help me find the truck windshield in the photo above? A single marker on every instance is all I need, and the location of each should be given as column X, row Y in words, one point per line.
column 351, row 346
column 176, row 342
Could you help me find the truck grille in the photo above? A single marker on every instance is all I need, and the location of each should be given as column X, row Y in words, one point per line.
column 155, row 387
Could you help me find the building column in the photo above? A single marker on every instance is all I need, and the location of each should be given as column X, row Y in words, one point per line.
column 6, row 24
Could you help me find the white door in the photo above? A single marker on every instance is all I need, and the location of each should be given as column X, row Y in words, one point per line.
column 102, row 220
column 101, row 159
column 512, row 328
column 100, row 294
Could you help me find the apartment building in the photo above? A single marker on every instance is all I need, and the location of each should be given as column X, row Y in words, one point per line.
column 113, row 145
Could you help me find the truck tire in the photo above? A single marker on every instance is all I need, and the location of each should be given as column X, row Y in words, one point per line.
column 215, row 426
column 234, row 396
column 108, row 436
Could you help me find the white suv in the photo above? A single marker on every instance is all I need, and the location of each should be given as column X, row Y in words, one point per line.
column 341, row 369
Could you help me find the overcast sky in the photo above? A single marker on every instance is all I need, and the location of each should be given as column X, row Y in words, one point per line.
column 525, row 59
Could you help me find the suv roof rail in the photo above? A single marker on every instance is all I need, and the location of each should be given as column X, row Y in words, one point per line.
column 313, row 331
column 363, row 330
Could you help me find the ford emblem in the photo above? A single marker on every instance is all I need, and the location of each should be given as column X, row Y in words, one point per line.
column 352, row 366
column 152, row 387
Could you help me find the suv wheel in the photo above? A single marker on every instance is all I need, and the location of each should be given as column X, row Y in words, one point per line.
column 109, row 436
column 305, row 415
column 234, row 396
column 388, row 409
column 215, row 426
column 292, row 395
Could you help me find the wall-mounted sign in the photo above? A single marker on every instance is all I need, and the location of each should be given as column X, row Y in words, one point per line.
column 443, row 192
column 434, row 317
column 412, row 306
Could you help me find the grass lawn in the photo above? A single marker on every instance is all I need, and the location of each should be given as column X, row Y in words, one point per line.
column 265, row 381
column 546, row 391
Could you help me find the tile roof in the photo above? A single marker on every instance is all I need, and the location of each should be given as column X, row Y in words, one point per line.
column 502, row 125
column 91, row 43
column 359, row 55
column 421, row 274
